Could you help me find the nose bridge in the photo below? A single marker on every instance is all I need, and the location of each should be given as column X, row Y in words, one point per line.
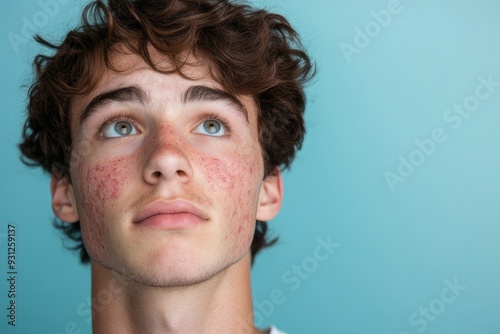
column 166, row 155
column 165, row 137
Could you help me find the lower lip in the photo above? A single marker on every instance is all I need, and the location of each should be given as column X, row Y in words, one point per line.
column 171, row 221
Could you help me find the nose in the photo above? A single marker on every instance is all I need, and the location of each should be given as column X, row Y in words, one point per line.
column 165, row 158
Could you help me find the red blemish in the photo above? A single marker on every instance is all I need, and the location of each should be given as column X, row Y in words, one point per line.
column 223, row 173
column 107, row 178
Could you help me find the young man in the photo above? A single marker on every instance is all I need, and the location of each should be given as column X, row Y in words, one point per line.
column 164, row 125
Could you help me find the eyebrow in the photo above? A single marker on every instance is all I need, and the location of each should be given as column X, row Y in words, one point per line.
column 204, row 93
column 124, row 94
column 137, row 94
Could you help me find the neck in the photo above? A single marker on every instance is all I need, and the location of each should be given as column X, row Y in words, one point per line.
column 222, row 304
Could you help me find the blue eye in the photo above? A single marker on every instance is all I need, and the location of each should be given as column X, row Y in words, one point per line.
column 211, row 127
column 119, row 129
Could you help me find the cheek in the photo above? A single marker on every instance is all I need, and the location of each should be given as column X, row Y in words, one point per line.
column 236, row 180
column 102, row 183
column 235, row 183
column 108, row 178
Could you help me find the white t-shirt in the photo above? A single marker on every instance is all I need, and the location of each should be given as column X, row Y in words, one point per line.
column 274, row 330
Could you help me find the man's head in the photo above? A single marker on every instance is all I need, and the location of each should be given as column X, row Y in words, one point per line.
column 163, row 101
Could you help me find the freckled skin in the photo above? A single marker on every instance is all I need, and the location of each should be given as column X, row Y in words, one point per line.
column 166, row 160
column 101, row 185
column 111, row 176
column 225, row 174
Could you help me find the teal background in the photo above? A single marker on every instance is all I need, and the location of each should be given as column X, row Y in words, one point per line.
column 397, row 249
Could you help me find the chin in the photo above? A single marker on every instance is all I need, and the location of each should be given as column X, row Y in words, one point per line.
column 174, row 271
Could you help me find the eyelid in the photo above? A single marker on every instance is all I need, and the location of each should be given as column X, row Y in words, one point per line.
column 216, row 117
column 116, row 117
column 113, row 118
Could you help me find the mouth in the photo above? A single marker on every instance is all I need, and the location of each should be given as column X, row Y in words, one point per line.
column 170, row 215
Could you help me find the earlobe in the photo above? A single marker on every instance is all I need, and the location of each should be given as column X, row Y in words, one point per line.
column 63, row 199
column 270, row 197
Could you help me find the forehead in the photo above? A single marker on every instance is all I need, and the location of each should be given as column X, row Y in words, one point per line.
column 130, row 69
column 127, row 67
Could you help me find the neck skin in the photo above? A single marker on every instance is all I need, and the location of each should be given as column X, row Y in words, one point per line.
column 222, row 304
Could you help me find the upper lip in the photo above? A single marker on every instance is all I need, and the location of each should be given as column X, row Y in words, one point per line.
column 169, row 207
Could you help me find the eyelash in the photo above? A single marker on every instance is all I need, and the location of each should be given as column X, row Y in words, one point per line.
column 115, row 118
column 217, row 117
column 125, row 118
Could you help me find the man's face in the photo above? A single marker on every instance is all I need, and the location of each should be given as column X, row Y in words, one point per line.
column 170, row 184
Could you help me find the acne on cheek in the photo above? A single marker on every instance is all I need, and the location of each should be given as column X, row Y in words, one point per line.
column 238, row 181
column 107, row 179
column 99, row 185
column 228, row 172
column 243, row 235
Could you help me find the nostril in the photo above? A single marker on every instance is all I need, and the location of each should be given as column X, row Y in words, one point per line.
column 181, row 173
column 166, row 163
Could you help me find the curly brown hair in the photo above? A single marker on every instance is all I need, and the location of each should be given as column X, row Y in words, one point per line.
column 252, row 52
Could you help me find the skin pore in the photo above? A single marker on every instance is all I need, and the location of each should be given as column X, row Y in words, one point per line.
column 167, row 195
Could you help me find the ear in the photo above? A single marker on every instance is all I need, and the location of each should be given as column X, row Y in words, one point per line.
column 63, row 199
column 270, row 197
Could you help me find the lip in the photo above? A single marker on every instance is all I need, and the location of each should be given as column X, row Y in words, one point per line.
column 174, row 214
